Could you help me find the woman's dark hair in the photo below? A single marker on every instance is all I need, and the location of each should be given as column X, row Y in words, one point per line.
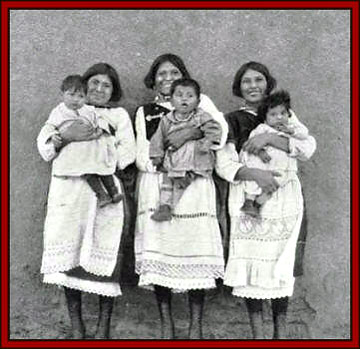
column 149, row 80
column 106, row 69
column 75, row 82
column 280, row 97
column 261, row 68
column 188, row 83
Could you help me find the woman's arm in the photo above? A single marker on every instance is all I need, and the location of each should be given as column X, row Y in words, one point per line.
column 207, row 105
column 302, row 146
column 265, row 179
column 78, row 131
column 229, row 168
column 45, row 147
column 125, row 139
column 258, row 142
column 177, row 139
column 227, row 162
column 211, row 130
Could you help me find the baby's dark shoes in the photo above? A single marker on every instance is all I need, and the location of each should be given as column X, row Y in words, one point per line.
column 104, row 200
column 251, row 208
column 162, row 214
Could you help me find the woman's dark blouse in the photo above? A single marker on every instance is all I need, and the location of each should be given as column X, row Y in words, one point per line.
column 241, row 123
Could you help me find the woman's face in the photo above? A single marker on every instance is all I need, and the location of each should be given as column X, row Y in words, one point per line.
column 100, row 89
column 253, row 86
column 164, row 77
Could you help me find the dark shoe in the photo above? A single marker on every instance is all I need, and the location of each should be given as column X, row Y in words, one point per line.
column 117, row 198
column 251, row 208
column 163, row 213
column 104, row 200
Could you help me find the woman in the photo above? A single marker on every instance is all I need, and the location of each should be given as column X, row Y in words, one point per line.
column 260, row 246
column 81, row 240
column 184, row 254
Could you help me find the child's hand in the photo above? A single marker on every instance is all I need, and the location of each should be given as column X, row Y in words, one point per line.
column 264, row 156
column 285, row 128
column 156, row 161
column 177, row 139
column 97, row 133
column 57, row 141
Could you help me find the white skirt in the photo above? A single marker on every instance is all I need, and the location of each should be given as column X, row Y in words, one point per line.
column 110, row 289
column 78, row 233
column 184, row 253
column 262, row 250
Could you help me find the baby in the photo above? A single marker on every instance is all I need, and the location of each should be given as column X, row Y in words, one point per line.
column 276, row 113
column 95, row 159
column 194, row 158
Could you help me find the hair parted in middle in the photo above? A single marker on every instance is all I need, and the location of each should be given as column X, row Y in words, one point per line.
column 187, row 83
column 149, row 79
column 106, row 69
column 280, row 97
column 259, row 67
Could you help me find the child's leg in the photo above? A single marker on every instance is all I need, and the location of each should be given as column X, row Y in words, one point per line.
column 73, row 301
column 166, row 190
column 279, row 307
column 95, row 184
column 196, row 305
column 163, row 212
column 262, row 198
column 180, row 185
column 254, row 307
column 111, row 188
column 163, row 298
column 105, row 311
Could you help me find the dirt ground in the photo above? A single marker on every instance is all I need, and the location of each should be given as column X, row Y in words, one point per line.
column 38, row 311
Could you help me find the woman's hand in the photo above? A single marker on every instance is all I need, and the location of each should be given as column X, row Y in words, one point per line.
column 265, row 179
column 57, row 141
column 175, row 140
column 256, row 143
column 96, row 134
column 77, row 131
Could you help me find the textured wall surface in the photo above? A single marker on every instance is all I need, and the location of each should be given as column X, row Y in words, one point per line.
column 307, row 51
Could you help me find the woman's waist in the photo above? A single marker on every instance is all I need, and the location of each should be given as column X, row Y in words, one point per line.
column 188, row 163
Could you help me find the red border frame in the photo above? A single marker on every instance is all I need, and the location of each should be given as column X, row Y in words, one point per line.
column 7, row 5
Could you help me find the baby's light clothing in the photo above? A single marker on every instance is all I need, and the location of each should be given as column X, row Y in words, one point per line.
column 96, row 156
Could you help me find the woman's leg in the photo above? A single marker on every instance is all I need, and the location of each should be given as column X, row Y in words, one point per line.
column 279, row 308
column 105, row 311
column 254, row 307
column 196, row 304
column 73, row 301
column 163, row 297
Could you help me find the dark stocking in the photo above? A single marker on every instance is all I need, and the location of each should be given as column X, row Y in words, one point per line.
column 279, row 308
column 105, row 311
column 163, row 298
column 254, row 307
column 196, row 304
column 73, row 301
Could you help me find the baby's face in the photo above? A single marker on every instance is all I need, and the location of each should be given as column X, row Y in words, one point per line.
column 276, row 116
column 184, row 99
column 74, row 99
